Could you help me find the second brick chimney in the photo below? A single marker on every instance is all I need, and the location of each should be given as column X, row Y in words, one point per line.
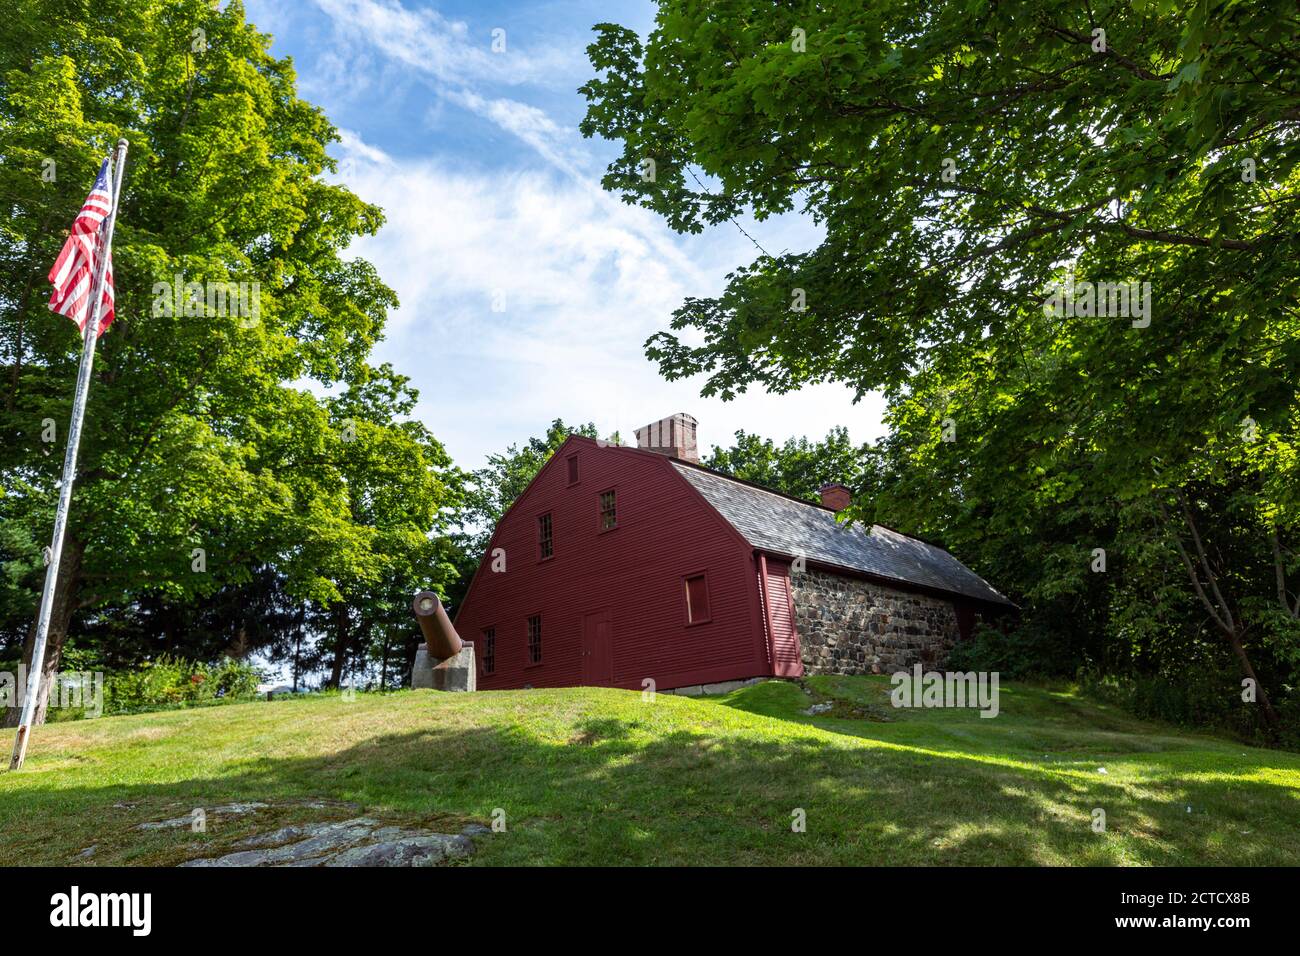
column 673, row 436
column 835, row 496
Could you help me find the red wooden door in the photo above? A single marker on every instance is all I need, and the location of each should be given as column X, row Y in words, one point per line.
column 597, row 648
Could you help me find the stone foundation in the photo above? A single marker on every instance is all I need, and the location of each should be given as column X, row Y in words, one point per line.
column 850, row 626
column 722, row 687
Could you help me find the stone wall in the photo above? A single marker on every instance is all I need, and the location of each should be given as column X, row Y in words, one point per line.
column 850, row 626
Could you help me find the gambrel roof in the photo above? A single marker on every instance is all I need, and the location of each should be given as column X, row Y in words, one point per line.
column 778, row 524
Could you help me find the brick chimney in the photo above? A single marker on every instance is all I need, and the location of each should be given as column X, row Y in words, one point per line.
column 835, row 496
column 673, row 436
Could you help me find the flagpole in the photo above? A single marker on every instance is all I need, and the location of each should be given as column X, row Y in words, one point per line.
column 91, row 334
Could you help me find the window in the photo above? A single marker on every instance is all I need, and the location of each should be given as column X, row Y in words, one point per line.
column 573, row 469
column 608, row 514
column 535, row 639
column 697, row 599
column 489, row 650
column 544, row 547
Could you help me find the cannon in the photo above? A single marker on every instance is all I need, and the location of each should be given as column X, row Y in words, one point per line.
column 439, row 634
column 443, row 661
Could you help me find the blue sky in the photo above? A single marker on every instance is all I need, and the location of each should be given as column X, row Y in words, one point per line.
column 526, row 291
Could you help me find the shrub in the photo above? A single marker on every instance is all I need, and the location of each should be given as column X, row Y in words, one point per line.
column 175, row 682
column 236, row 680
column 1197, row 698
column 1026, row 651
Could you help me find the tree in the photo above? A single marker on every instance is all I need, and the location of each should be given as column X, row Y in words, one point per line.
column 204, row 457
column 404, row 493
column 967, row 165
column 798, row 467
column 235, row 621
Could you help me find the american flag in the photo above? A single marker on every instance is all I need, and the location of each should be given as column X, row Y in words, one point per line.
column 74, row 271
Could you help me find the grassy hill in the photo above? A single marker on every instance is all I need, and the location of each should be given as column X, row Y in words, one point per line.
column 591, row 775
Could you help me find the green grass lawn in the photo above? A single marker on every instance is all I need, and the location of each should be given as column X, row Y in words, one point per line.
column 591, row 775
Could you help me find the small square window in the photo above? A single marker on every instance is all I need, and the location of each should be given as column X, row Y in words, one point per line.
column 697, row 599
column 489, row 650
column 608, row 511
column 573, row 469
column 535, row 639
column 544, row 544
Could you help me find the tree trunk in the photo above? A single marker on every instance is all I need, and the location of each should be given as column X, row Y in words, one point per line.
column 65, row 605
column 1270, row 715
column 237, row 649
column 342, row 633
column 410, row 647
column 1220, row 612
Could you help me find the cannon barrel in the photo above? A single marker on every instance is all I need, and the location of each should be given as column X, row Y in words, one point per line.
column 436, row 626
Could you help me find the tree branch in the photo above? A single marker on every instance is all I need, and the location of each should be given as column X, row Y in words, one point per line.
column 1110, row 52
column 1279, row 569
column 1205, row 561
column 1191, row 573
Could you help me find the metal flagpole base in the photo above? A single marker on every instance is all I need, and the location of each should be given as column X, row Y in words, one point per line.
column 20, row 749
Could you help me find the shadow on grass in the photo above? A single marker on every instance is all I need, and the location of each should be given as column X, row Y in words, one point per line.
column 614, row 793
column 1034, row 725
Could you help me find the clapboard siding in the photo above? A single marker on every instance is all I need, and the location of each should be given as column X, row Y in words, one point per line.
column 636, row 571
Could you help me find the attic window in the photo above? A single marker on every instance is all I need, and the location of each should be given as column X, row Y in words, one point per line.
column 697, row 599
column 608, row 511
column 573, row 469
column 489, row 650
column 544, row 545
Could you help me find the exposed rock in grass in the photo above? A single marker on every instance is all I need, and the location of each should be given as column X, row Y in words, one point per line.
column 407, row 849
column 828, row 704
column 230, row 809
column 361, row 841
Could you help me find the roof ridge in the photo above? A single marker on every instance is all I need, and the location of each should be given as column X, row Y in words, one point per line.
column 753, row 484
column 803, row 501
column 773, row 491
column 919, row 562
column 713, row 471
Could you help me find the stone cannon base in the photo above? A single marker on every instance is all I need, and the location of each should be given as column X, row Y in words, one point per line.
column 455, row 673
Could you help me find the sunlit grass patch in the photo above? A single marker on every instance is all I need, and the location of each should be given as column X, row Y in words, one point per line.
column 595, row 775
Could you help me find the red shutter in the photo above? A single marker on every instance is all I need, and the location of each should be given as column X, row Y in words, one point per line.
column 787, row 656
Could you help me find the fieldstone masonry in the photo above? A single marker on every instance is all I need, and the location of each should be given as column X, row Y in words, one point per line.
column 850, row 626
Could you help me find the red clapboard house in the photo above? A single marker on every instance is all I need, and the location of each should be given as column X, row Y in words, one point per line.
column 618, row 566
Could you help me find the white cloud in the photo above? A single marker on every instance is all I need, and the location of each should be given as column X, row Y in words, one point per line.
column 445, row 49
column 457, row 65
column 530, row 125
column 585, row 280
